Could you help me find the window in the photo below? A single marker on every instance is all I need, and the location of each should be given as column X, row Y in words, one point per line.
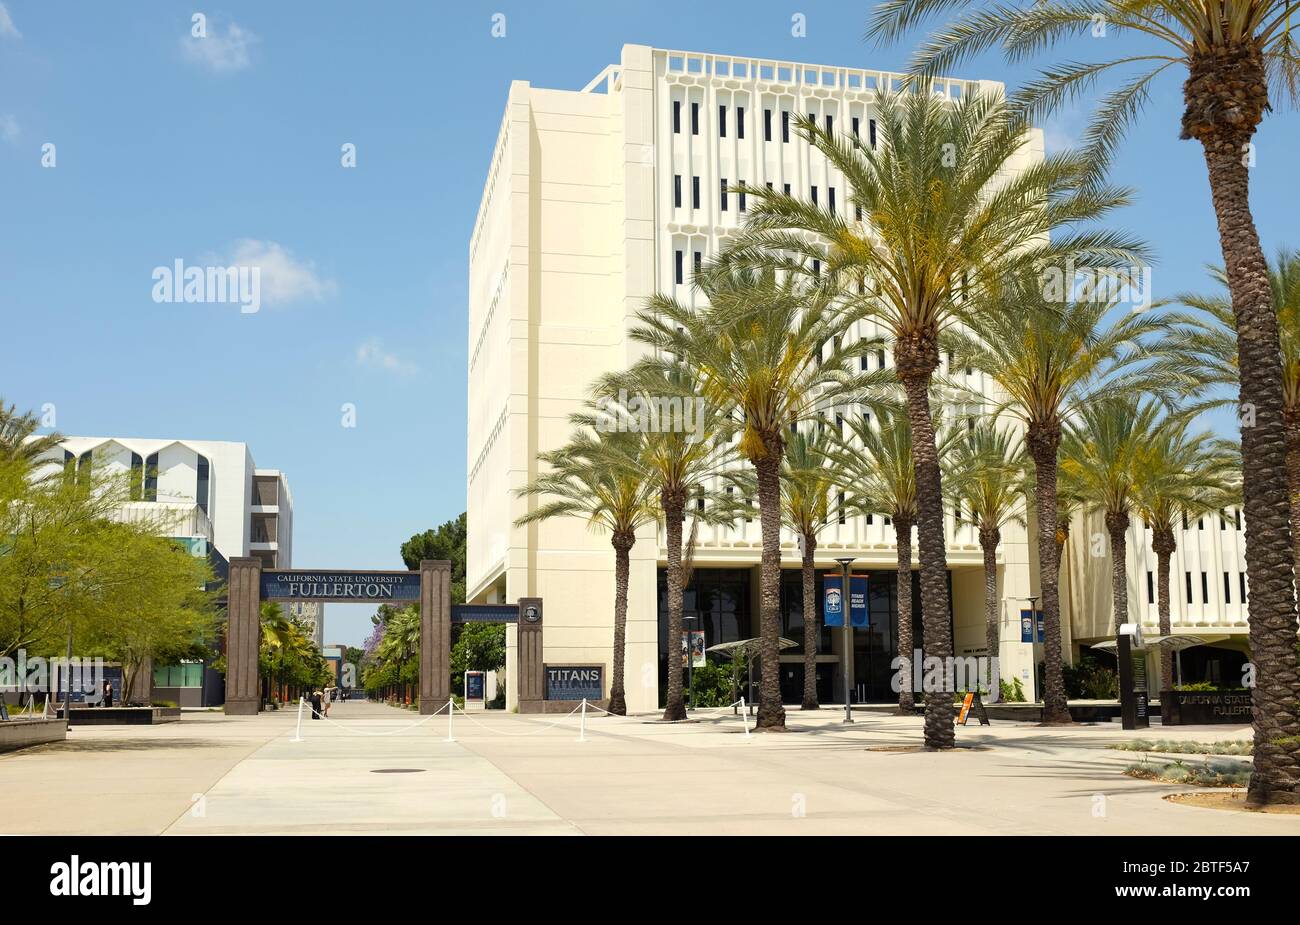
column 699, row 503
column 830, row 198
column 695, row 118
column 677, row 117
column 695, row 192
column 769, row 184
column 1151, row 588
column 839, row 424
column 871, row 132
column 204, row 481
column 677, row 268
column 1241, row 586
column 1223, row 520
column 767, row 125
column 1236, row 518
column 870, row 520
column 880, row 359
column 841, row 506
column 1227, row 587
column 785, row 126
column 1200, row 523
column 862, row 362
column 699, row 258
column 830, row 125
column 677, row 191
column 785, row 188
column 740, row 122
column 857, row 212
column 741, row 196
column 150, row 476
column 723, row 190
column 749, row 502
column 722, row 121
column 856, row 123
column 817, row 267
column 1187, row 583
column 1184, row 521
column 137, row 477
column 814, row 195
column 1205, row 588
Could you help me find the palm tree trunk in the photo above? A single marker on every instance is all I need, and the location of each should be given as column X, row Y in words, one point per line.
column 1163, row 545
column 1117, row 527
column 989, row 539
column 1043, row 444
column 622, row 567
column 1225, row 96
column 771, row 715
column 915, row 365
column 810, row 623
column 674, row 507
column 906, row 643
column 1291, row 419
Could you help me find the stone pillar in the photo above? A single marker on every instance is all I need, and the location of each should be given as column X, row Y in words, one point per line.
column 530, row 674
column 435, row 634
column 243, row 636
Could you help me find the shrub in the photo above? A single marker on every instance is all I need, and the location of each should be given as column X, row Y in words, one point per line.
column 1168, row 747
column 1208, row 774
column 1089, row 680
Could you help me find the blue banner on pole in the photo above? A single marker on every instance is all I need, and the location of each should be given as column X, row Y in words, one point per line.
column 833, row 601
column 1028, row 626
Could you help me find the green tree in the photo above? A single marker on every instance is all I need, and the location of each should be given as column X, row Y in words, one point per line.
column 984, row 476
column 478, row 647
column 1052, row 359
column 766, row 352
column 447, row 542
column 596, row 477
column 17, row 436
column 924, row 237
column 1235, row 53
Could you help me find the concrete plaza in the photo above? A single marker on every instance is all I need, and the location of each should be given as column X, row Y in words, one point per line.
column 370, row 768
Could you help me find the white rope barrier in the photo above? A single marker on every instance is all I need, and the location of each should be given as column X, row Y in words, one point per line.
column 390, row 731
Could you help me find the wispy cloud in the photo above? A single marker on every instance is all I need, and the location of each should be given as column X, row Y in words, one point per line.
column 371, row 353
column 218, row 52
column 1064, row 130
column 284, row 278
column 9, row 128
column 7, row 27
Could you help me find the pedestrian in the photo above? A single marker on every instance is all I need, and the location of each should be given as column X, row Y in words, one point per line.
column 329, row 695
column 108, row 693
column 315, row 704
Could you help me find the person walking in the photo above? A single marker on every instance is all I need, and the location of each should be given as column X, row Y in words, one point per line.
column 108, row 693
column 325, row 700
column 315, row 704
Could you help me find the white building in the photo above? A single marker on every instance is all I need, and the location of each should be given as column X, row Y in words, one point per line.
column 308, row 613
column 209, row 491
column 596, row 199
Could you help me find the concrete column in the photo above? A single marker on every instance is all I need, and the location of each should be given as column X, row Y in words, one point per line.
column 243, row 636
column 435, row 634
column 532, row 677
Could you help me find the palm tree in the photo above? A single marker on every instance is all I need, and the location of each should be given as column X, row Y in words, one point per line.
column 596, row 477
column 681, row 444
column 15, row 429
column 876, row 469
column 1103, row 451
column 914, row 260
column 1181, row 475
column 985, row 477
column 767, row 352
column 807, row 481
column 1235, row 52
column 1051, row 359
column 1214, row 344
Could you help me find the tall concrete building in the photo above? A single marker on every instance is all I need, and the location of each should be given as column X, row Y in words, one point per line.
column 596, row 199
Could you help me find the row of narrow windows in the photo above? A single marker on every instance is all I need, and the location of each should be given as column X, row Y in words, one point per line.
column 143, row 480
column 724, row 198
column 1205, row 588
column 739, row 123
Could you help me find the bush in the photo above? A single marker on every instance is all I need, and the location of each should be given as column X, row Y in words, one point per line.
column 712, row 685
column 1011, row 691
column 1164, row 746
column 1207, row 686
column 1089, row 680
column 1208, row 774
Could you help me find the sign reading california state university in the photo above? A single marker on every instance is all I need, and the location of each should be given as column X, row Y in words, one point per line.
column 340, row 586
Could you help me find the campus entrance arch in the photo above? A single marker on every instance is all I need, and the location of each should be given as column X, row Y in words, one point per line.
column 250, row 584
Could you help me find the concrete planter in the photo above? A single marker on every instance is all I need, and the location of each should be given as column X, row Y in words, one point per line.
column 123, row 716
column 1204, row 708
column 20, row 733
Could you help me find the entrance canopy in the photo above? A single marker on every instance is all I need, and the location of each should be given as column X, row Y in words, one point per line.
column 1172, row 643
column 747, row 647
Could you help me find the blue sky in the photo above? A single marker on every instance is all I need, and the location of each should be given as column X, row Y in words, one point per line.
column 166, row 149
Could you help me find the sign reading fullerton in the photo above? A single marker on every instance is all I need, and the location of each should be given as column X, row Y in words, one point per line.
column 340, row 586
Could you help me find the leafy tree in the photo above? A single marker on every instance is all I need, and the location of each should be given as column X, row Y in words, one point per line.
column 478, row 647
column 447, row 542
column 1234, row 54
column 925, row 234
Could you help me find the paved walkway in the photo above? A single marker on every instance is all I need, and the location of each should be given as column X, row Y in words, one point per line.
column 372, row 768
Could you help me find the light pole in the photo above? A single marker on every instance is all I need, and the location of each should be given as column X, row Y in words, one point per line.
column 846, row 607
column 1033, row 646
column 56, row 582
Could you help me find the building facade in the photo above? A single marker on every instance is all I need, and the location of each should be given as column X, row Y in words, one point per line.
column 595, row 200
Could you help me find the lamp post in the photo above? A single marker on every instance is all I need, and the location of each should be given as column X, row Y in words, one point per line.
column 1033, row 646
column 56, row 582
column 845, row 609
